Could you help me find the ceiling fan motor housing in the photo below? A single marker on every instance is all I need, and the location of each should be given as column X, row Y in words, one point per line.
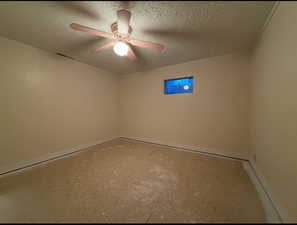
column 117, row 35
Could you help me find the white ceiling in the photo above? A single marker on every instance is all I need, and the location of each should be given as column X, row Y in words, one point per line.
column 190, row 30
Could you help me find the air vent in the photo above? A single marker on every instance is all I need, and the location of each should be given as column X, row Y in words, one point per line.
column 58, row 53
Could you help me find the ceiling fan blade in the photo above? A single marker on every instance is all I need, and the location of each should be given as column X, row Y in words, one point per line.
column 123, row 21
column 131, row 55
column 90, row 30
column 145, row 44
column 109, row 45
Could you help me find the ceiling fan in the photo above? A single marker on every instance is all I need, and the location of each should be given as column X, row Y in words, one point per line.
column 121, row 34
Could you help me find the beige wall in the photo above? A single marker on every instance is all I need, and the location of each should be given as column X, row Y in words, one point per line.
column 273, row 109
column 214, row 116
column 49, row 103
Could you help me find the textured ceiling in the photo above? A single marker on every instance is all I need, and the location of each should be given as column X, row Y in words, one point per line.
column 190, row 30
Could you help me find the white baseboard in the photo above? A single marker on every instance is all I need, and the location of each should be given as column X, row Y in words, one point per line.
column 198, row 149
column 272, row 211
column 20, row 166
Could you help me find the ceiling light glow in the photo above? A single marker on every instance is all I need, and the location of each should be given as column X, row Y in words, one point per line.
column 120, row 48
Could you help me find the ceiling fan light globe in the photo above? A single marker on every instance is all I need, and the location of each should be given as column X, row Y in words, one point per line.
column 120, row 48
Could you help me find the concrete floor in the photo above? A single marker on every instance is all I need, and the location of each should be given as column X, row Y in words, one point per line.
column 123, row 181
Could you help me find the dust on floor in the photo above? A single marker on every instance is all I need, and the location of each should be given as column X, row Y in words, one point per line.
column 124, row 181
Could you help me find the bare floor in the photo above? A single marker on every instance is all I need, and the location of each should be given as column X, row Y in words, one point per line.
column 124, row 181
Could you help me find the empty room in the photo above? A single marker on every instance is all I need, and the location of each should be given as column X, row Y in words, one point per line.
column 148, row 112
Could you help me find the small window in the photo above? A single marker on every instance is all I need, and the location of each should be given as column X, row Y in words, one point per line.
column 178, row 86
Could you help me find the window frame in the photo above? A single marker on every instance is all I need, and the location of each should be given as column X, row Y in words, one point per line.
column 179, row 78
